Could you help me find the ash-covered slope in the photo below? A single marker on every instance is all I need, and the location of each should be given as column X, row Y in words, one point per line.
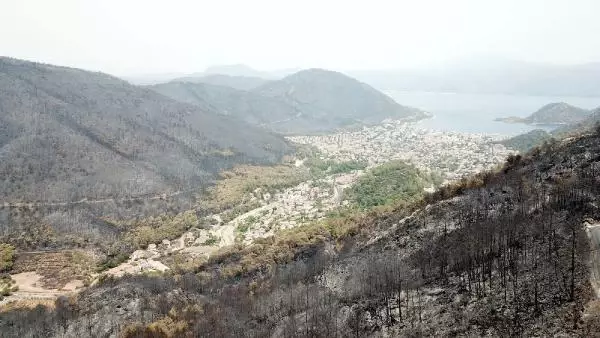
column 591, row 122
column 503, row 253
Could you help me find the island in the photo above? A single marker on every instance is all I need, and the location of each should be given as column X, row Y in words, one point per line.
column 557, row 113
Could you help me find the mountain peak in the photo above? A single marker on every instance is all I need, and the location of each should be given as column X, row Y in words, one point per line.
column 319, row 72
column 332, row 99
column 311, row 100
column 552, row 113
column 558, row 112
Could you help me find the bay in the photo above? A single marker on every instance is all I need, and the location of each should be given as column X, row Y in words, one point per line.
column 475, row 113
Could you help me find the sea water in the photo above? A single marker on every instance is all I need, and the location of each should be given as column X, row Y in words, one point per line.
column 475, row 113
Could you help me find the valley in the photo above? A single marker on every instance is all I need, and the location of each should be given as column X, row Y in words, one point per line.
column 388, row 270
column 450, row 156
column 314, row 193
column 307, row 169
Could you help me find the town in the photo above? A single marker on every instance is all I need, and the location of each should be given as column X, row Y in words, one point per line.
column 451, row 154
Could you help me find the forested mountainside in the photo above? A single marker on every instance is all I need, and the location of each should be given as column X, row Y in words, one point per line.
column 529, row 140
column 236, row 82
column 503, row 253
column 71, row 137
column 240, row 104
column 329, row 100
column 552, row 113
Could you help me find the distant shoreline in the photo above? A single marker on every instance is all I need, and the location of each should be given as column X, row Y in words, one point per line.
column 520, row 120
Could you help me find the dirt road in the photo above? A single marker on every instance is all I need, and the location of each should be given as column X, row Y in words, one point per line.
column 593, row 231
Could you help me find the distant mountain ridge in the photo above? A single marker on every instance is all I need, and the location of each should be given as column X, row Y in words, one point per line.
column 243, row 70
column 309, row 101
column 243, row 105
column 235, row 70
column 332, row 100
column 552, row 113
column 475, row 75
column 236, row 82
column 491, row 76
column 212, row 75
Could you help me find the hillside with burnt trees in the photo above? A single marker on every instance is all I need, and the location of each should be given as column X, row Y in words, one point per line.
column 78, row 146
column 503, row 253
column 69, row 134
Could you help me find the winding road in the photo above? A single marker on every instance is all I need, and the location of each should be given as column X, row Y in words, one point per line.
column 96, row 201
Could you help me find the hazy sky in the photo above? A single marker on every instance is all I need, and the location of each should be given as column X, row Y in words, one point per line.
column 127, row 37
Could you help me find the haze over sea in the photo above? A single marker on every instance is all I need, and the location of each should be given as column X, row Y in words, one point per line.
column 475, row 113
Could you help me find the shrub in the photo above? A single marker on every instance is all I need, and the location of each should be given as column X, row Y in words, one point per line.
column 7, row 257
column 319, row 167
column 212, row 240
column 390, row 182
